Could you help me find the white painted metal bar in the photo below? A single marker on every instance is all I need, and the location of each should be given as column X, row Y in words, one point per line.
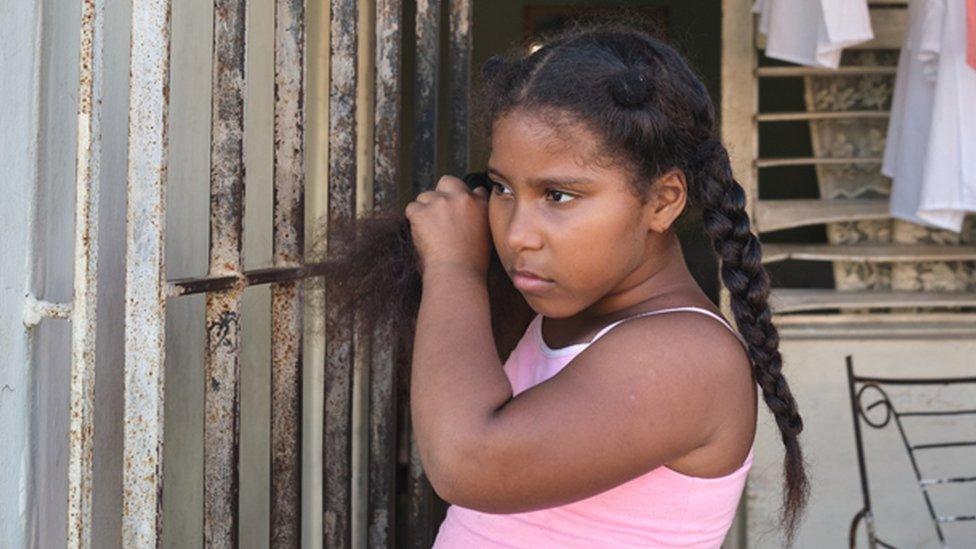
column 37, row 309
column 144, row 277
column 83, row 312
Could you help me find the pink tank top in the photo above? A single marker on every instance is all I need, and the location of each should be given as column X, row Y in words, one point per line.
column 661, row 508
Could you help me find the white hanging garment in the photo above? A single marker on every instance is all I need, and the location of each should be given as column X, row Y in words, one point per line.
column 812, row 32
column 930, row 151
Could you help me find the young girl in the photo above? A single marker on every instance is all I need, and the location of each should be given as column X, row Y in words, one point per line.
column 625, row 415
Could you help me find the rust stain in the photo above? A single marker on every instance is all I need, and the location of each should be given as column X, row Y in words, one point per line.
column 145, row 284
column 342, row 203
column 288, row 251
column 223, row 309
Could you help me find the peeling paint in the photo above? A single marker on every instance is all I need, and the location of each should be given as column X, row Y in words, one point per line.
column 144, row 277
column 381, row 483
column 221, row 444
column 287, row 298
column 337, row 459
column 83, row 313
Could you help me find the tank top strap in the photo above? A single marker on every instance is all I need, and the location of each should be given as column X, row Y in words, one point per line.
column 724, row 322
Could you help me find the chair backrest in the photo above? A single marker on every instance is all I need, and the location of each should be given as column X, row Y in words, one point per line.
column 862, row 388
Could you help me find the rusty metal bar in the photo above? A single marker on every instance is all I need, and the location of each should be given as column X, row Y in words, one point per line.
column 460, row 67
column 287, row 297
column 82, row 388
column 254, row 277
column 337, row 455
column 144, row 280
column 221, row 445
column 381, row 510
column 425, row 92
column 37, row 309
column 421, row 494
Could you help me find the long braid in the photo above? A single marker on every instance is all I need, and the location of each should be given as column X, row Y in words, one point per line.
column 726, row 222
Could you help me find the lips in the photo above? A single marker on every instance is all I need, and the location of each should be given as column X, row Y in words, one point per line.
column 529, row 274
column 528, row 281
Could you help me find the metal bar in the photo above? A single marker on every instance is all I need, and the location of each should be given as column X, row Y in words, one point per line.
column 938, row 413
column 83, row 311
column 944, row 445
column 287, row 297
column 955, row 518
column 381, row 485
column 145, row 301
column 867, row 252
column 459, row 63
column 337, row 455
column 221, row 446
column 919, row 381
column 951, row 480
column 254, row 277
column 858, row 441
column 35, row 310
column 812, row 71
column 774, row 162
column 421, row 494
column 825, row 115
column 425, row 91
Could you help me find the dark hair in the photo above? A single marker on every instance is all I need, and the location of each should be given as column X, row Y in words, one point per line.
column 653, row 114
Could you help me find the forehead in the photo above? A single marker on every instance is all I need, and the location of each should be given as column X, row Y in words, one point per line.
column 520, row 139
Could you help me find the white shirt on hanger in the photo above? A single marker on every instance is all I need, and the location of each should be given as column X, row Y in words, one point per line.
column 930, row 150
column 812, row 32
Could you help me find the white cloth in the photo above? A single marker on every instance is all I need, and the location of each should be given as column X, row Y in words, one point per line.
column 812, row 32
column 930, row 150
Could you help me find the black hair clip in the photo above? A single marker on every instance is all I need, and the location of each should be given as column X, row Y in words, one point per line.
column 477, row 179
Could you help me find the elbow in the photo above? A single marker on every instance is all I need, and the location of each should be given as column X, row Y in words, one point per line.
column 469, row 476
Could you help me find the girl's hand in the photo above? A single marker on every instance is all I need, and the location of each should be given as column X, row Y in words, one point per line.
column 449, row 226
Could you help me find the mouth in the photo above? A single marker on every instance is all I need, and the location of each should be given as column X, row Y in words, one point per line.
column 528, row 281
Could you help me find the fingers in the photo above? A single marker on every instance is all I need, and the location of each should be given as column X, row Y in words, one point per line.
column 427, row 196
column 449, row 183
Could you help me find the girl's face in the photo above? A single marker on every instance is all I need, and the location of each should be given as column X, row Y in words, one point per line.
column 555, row 211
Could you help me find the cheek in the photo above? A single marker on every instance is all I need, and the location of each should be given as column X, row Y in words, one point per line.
column 595, row 255
column 496, row 224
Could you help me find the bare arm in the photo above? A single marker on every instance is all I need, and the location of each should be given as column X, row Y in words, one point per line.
column 457, row 381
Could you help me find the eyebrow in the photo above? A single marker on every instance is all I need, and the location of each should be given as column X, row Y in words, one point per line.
column 544, row 181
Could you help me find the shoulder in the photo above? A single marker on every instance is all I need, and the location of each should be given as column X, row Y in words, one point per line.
column 694, row 339
column 693, row 358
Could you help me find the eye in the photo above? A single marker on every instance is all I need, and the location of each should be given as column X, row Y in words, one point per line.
column 555, row 192
column 495, row 186
column 500, row 189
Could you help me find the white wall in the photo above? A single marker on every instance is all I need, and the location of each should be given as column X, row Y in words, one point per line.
column 18, row 156
column 817, row 375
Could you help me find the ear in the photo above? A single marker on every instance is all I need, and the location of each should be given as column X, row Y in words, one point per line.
column 668, row 196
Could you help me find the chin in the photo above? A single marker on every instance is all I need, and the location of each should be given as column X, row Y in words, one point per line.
column 548, row 308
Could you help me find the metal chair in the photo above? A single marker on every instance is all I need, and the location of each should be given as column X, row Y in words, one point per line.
column 858, row 386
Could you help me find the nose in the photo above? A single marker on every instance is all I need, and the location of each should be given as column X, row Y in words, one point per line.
column 523, row 230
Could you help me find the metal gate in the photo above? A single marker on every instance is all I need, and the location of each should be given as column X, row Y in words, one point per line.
column 147, row 291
